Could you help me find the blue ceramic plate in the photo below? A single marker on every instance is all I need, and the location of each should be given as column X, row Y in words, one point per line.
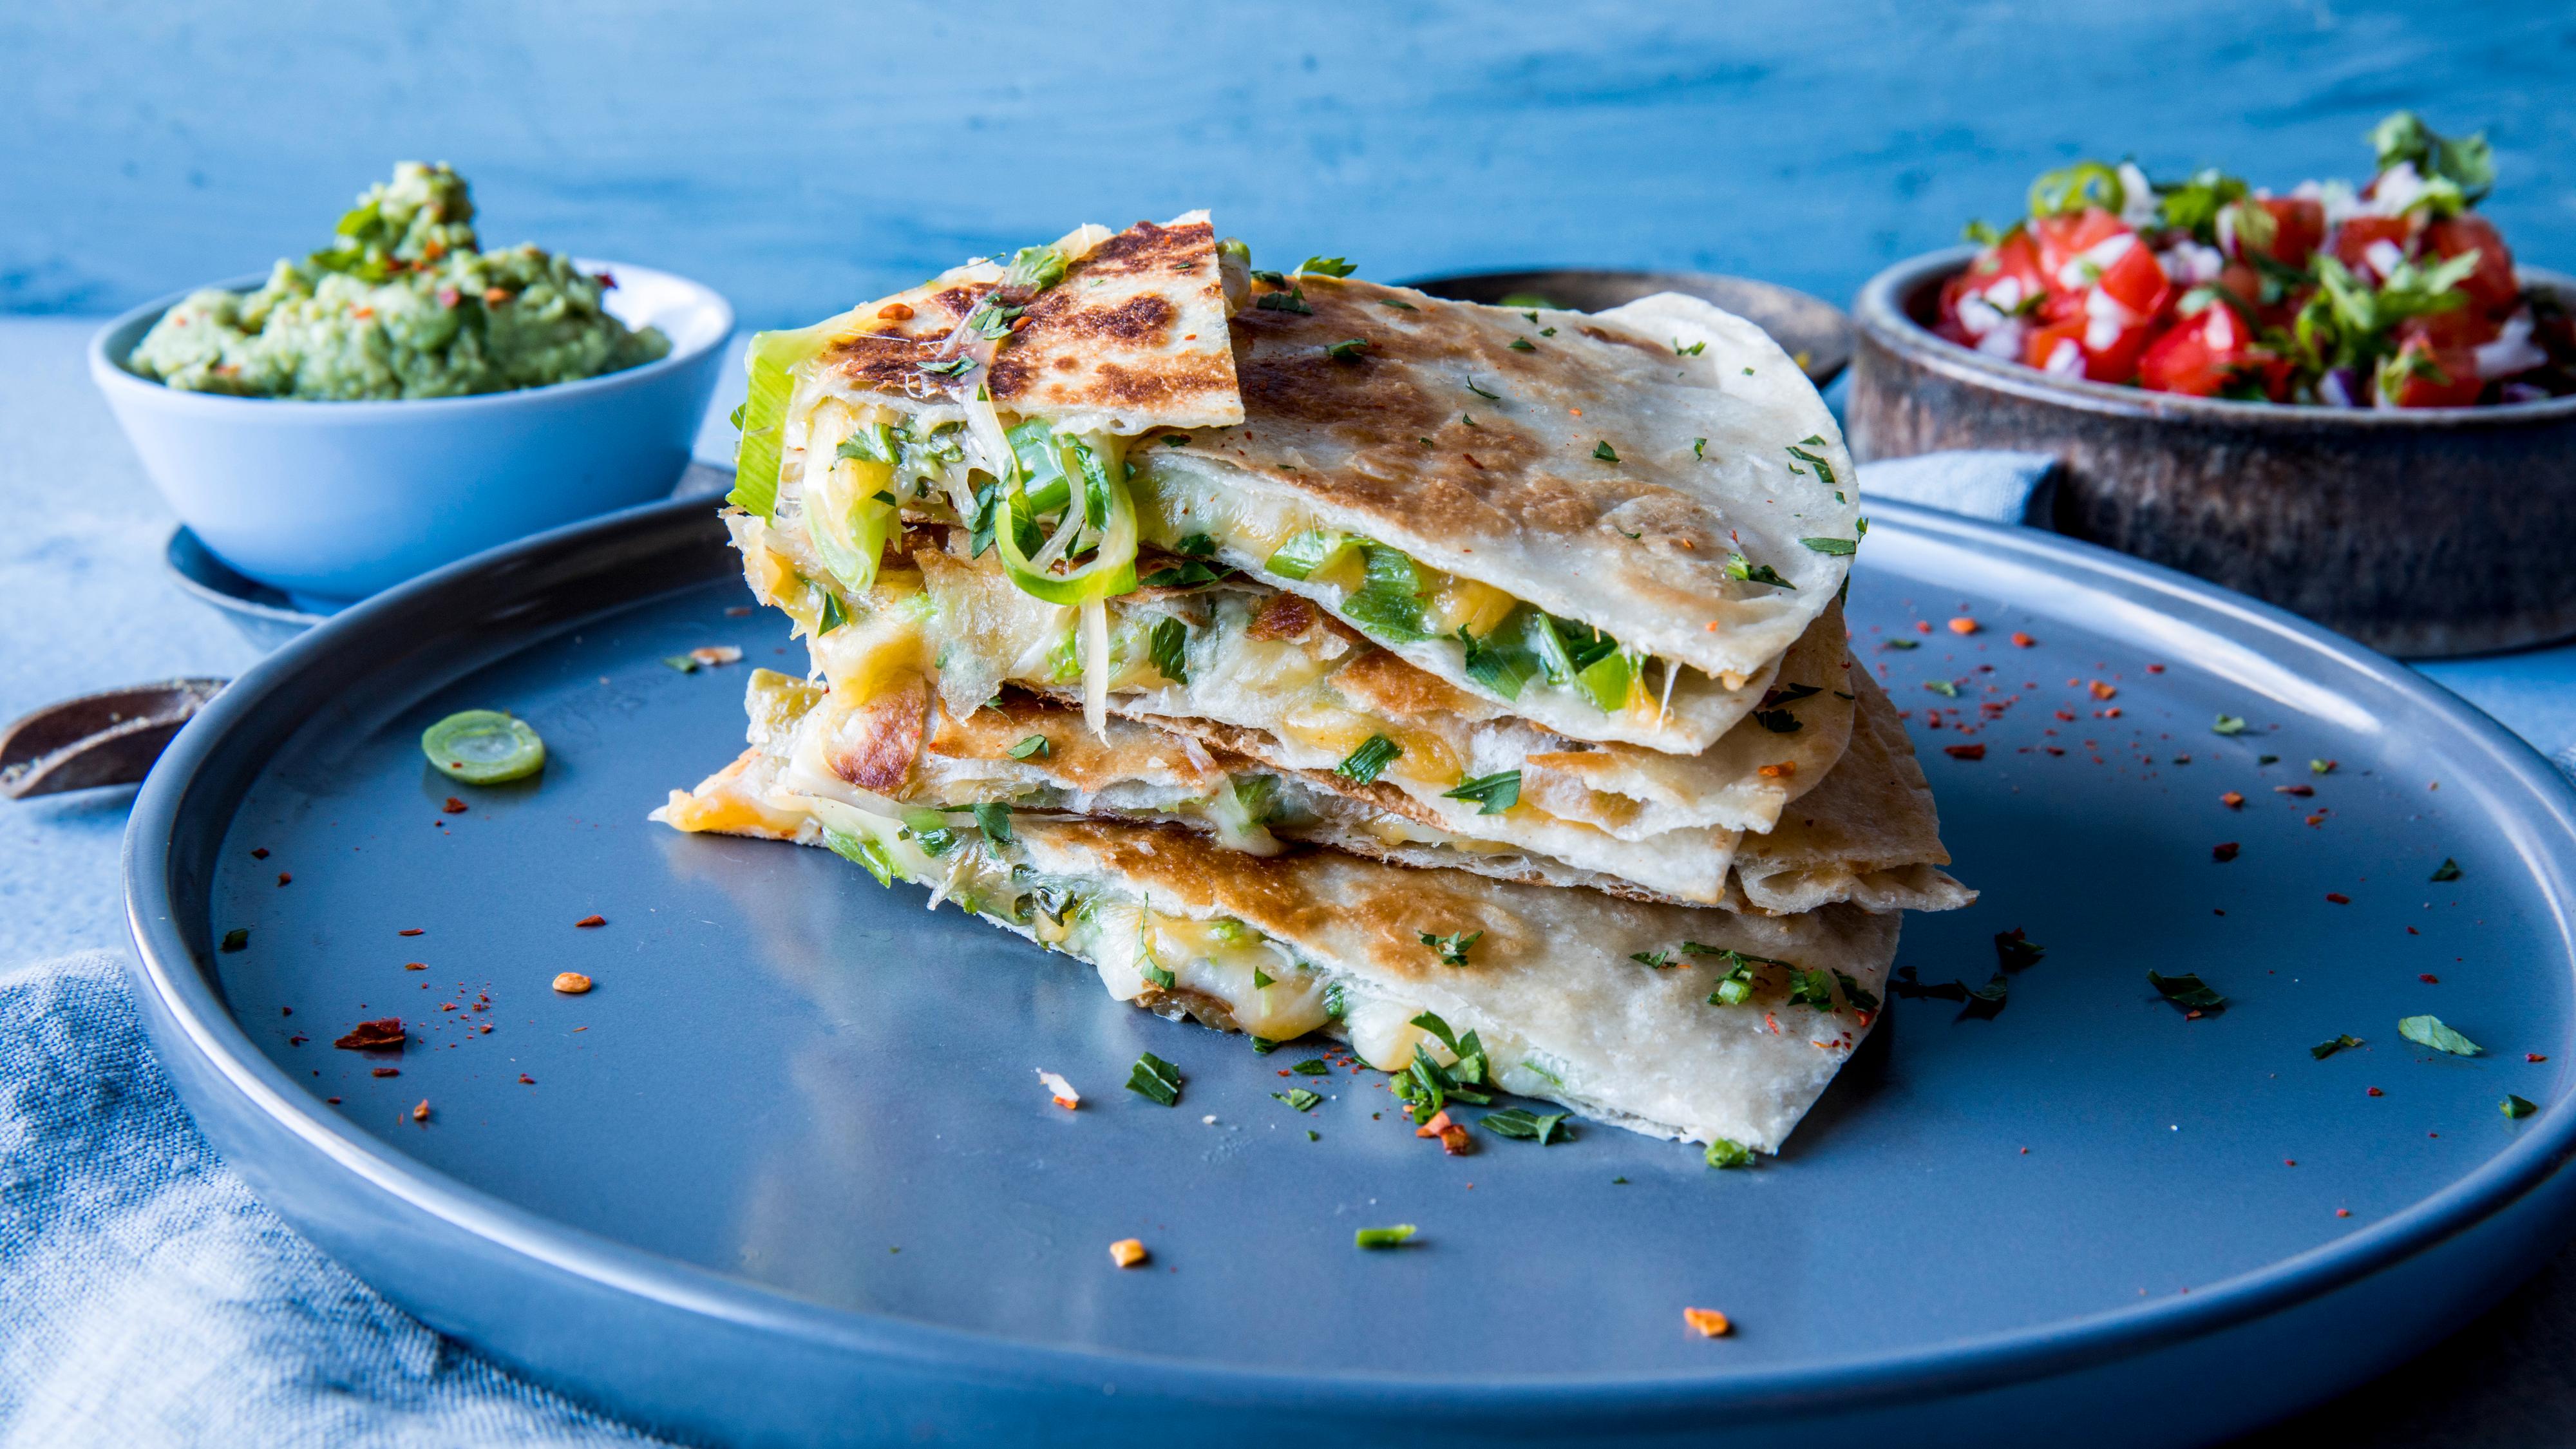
column 788, row 1175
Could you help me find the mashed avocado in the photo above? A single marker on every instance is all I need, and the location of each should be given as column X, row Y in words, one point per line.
column 403, row 305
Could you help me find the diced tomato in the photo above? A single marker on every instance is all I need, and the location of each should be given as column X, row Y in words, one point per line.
column 2352, row 240
column 2456, row 386
column 2115, row 361
column 2491, row 287
column 2047, row 343
column 2064, row 238
column 2298, row 228
column 2461, row 327
column 2136, row 281
column 2206, row 353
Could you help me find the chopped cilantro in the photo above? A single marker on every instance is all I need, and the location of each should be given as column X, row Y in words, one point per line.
column 1727, row 1152
column 1299, row 1098
column 2429, row 1031
column 1942, row 687
column 1738, row 567
column 1313, row 1067
column 1399, row 306
column 1261, row 978
column 1348, row 349
column 1523, row 344
column 2448, row 870
column 2228, row 724
column 1292, row 300
column 2514, row 1107
column 1196, row 545
column 1492, row 794
column 1394, row 1237
column 1168, row 646
column 1983, row 1003
column 833, row 616
column 683, row 662
column 236, row 939
column 1778, row 721
column 1837, row 547
column 1187, row 574
column 2267, row 759
column 2325, row 1049
column 1502, row 668
column 1657, row 959
column 995, row 821
column 2189, row 992
column 1155, row 1078
column 1904, row 643
column 1699, row 448
column 1363, row 765
column 1694, row 350
column 951, row 368
column 1033, row 748
column 1542, row 1128
column 1480, row 392
column 1824, row 470
column 1603, row 451
column 2016, row 951
column 1325, row 267
column 1904, row 985
column 1855, row 993
column 1176, row 440
column 1452, row 949
column 1263, row 1046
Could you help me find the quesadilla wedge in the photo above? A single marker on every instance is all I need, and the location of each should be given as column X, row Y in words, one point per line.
column 1867, row 836
column 1675, row 1022
column 1267, row 674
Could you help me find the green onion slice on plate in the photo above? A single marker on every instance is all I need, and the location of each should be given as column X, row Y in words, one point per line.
column 483, row 747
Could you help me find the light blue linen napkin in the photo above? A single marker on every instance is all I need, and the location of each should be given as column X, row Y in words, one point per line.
column 147, row 1299
column 1998, row 486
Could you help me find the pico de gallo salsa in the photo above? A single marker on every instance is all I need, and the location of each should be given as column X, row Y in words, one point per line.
column 2395, row 295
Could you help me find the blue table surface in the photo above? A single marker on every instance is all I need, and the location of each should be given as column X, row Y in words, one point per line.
column 89, row 606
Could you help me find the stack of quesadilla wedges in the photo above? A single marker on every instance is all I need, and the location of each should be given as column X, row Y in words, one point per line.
column 1314, row 656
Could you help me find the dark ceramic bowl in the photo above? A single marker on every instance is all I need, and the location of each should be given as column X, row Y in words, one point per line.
column 1814, row 332
column 2427, row 532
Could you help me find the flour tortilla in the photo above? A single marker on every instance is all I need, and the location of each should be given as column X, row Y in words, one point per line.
column 1510, row 490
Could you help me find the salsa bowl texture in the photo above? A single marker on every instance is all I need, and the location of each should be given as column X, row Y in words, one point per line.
column 333, row 501
column 2422, row 532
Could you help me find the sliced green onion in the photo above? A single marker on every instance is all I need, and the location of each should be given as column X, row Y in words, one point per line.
column 1393, row 1237
column 1310, row 553
column 1608, row 680
column 483, row 747
column 772, row 360
column 846, row 514
column 1390, row 602
column 1493, row 794
column 1104, row 513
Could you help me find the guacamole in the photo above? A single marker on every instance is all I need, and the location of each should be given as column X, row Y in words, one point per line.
column 403, row 305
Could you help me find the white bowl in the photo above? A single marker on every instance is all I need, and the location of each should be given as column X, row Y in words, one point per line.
column 332, row 501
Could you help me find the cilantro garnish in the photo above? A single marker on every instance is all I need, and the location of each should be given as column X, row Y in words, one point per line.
column 236, row 939
column 1363, row 765
column 2517, row 1107
column 1727, row 1152
column 1824, row 470
column 1542, row 1128
column 1480, row 392
column 1492, row 794
column 995, row 821
column 1292, row 300
column 1325, row 267
column 1778, row 721
column 1836, row 547
column 1694, row 350
column 1735, row 981
column 1034, row 747
column 1176, row 440
column 1699, row 448
column 1299, row 1098
column 1168, row 646
column 1313, row 1067
column 1983, row 1003
column 1187, row 574
column 2016, row 951
column 1657, row 959
column 1347, row 350
column 2189, row 992
column 1603, row 451
column 1155, row 1078
column 1523, row 344
column 1504, row 669
column 951, row 368
column 2325, row 1049
column 1261, row 978
column 1196, row 545
column 680, row 662
column 1941, row 687
column 2448, row 870
column 2429, row 1031
column 2228, row 724
column 1451, row 949
column 1739, row 567
column 1399, row 306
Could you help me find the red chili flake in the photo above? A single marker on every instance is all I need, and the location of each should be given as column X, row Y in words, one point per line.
column 2055, row 749
column 411, row 931
column 2317, row 819
column 588, row 921
column 2223, row 852
column 378, row 1035
column 388, row 1071
column 334, row 1101
column 297, row 1040
column 2302, row 791
column 2192, row 1015
column 2339, row 898
column 259, row 853
column 2343, row 1212
column 2155, row 669
column 453, row 806
column 447, row 1006
column 487, row 1028
column 283, row 877
column 2534, row 1057
column 527, row 1080
column 2377, row 1093
column 2022, row 641
column 1963, row 625
column 2232, row 800
column 2410, row 930
column 2101, row 690
column 2067, row 715
column 2289, row 1162
column 1964, row 752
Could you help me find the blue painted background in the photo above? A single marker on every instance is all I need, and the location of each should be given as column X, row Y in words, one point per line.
column 800, row 157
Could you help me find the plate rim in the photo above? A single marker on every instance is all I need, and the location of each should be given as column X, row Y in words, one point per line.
column 179, row 982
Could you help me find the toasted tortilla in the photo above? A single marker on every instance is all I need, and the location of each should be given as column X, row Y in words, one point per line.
column 1132, row 338
column 1609, row 479
column 1318, row 941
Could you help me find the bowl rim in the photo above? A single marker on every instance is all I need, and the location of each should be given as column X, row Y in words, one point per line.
column 110, row 371
column 1878, row 313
